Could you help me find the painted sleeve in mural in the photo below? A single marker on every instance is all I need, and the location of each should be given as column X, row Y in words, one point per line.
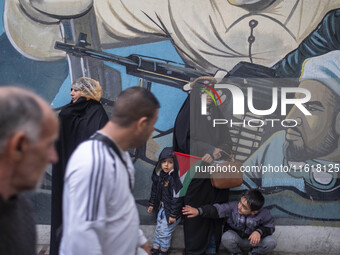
column 323, row 39
column 208, row 35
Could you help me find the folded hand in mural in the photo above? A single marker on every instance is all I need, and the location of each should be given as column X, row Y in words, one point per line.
column 216, row 39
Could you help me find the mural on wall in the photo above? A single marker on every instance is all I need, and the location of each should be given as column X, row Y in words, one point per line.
column 301, row 164
column 163, row 45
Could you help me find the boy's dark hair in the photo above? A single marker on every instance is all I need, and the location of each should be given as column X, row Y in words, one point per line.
column 254, row 199
column 133, row 104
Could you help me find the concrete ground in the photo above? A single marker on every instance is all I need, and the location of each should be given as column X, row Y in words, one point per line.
column 292, row 240
column 45, row 249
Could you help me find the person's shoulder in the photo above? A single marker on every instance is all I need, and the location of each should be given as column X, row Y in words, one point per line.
column 86, row 155
column 96, row 104
column 92, row 105
column 85, row 147
column 265, row 210
column 95, row 149
column 265, row 213
column 233, row 204
column 98, row 108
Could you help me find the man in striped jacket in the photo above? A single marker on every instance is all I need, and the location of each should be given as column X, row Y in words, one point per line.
column 99, row 210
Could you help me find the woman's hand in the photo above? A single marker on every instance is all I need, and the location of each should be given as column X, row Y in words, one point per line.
column 191, row 212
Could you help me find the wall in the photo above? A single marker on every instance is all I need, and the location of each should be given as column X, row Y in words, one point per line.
column 206, row 36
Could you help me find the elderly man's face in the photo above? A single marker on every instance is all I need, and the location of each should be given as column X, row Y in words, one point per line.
column 314, row 136
column 37, row 155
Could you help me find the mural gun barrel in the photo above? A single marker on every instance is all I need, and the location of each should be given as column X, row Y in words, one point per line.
column 151, row 69
column 83, row 51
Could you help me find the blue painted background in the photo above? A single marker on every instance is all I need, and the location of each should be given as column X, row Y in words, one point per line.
column 171, row 98
column 51, row 81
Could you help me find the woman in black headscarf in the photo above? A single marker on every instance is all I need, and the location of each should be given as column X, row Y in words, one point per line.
column 198, row 137
column 79, row 119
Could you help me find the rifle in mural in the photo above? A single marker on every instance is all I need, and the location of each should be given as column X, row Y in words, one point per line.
column 173, row 74
column 149, row 68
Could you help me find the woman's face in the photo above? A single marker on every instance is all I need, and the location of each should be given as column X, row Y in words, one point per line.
column 75, row 94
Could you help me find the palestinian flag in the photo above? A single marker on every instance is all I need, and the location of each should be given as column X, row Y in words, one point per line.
column 186, row 164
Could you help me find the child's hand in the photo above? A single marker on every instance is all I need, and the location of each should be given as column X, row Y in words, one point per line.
column 172, row 220
column 150, row 208
column 191, row 212
column 254, row 238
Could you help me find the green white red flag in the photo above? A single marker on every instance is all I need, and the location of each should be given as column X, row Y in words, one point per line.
column 186, row 164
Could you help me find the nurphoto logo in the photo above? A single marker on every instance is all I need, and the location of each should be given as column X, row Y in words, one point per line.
column 239, row 105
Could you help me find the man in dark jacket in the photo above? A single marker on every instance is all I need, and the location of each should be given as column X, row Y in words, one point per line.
column 248, row 225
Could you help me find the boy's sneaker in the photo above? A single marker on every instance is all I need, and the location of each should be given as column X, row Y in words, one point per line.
column 154, row 251
column 163, row 253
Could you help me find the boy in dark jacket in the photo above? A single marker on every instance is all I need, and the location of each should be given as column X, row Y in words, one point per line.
column 165, row 185
column 248, row 225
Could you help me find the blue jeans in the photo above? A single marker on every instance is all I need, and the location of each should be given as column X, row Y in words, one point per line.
column 234, row 243
column 163, row 230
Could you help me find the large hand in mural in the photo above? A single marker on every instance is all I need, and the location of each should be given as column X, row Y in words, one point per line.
column 208, row 34
column 34, row 26
column 213, row 34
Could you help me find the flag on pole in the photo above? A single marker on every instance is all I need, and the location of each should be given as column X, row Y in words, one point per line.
column 186, row 164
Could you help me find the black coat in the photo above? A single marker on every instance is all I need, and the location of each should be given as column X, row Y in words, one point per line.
column 78, row 121
column 195, row 135
column 165, row 186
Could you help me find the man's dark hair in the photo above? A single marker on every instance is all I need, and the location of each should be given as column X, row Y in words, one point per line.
column 133, row 104
column 254, row 199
